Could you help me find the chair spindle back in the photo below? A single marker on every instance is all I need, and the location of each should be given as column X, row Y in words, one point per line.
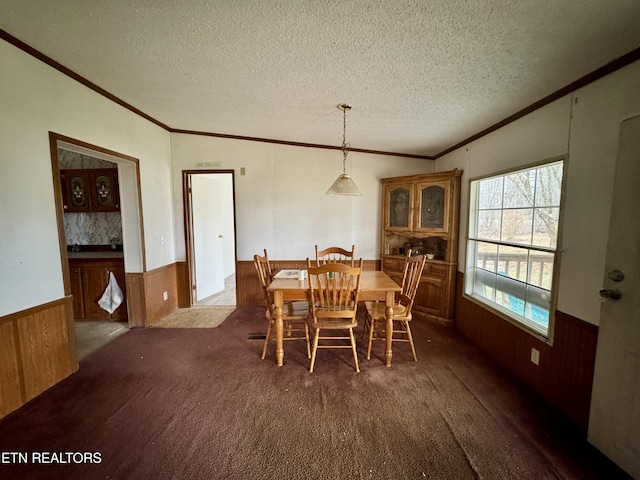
column 335, row 255
column 413, row 268
column 266, row 277
column 334, row 288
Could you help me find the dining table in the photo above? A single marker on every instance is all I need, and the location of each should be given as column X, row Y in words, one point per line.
column 375, row 285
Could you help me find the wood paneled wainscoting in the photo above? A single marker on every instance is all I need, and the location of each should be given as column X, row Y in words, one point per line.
column 248, row 289
column 564, row 376
column 37, row 350
column 146, row 294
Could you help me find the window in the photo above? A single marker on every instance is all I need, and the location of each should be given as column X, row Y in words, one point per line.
column 512, row 244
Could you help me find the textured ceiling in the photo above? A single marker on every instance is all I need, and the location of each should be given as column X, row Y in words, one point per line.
column 421, row 76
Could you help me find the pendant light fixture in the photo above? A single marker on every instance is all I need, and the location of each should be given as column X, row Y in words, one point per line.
column 343, row 184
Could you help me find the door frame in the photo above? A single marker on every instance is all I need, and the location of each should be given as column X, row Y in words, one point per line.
column 129, row 243
column 188, row 228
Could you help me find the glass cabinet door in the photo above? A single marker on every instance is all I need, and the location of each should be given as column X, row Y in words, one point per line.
column 432, row 209
column 399, row 208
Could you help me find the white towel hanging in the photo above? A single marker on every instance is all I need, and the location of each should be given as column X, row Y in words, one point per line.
column 112, row 297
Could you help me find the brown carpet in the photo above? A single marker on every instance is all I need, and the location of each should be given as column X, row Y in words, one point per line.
column 200, row 404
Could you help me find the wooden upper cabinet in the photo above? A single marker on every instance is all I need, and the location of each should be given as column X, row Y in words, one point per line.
column 90, row 190
column 418, row 207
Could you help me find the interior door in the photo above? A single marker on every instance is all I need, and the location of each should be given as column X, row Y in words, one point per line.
column 614, row 425
column 208, row 245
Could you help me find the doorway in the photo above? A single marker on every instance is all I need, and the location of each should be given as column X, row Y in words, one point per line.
column 123, row 229
column 210, row 236
column 614, row 424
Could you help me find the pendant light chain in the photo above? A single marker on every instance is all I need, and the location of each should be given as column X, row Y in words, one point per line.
column 345, row 145
column 343, row 184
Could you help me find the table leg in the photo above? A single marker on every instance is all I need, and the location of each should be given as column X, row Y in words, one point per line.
column 278, row 300
column 389, row 329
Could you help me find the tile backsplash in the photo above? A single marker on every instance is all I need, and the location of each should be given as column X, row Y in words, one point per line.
column 68, row 159
column 93, row 228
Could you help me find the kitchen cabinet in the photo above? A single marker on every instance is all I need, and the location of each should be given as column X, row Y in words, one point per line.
column 89, row 278
column 90, row 190
column 421, row 212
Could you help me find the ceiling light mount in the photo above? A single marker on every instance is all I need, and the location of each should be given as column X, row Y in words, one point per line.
column 343, row 184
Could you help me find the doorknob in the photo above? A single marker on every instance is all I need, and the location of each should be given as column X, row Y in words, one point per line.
column 611, row 293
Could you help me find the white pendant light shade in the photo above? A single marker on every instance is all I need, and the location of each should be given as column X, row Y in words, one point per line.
column 343, row 184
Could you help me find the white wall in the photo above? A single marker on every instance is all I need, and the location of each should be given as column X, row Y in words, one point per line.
column 585, row 126
column 281, row 203
column 37, row 99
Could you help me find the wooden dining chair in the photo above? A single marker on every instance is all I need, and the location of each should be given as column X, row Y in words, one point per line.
column 335, row 255
column 333, row 297
column 294, row 314
column 376, row 319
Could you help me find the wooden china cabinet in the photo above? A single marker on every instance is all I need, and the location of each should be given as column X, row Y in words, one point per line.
column 90, row 190
column 421, row 212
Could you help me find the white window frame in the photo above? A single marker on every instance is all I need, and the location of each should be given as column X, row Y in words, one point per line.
column 473, row 239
